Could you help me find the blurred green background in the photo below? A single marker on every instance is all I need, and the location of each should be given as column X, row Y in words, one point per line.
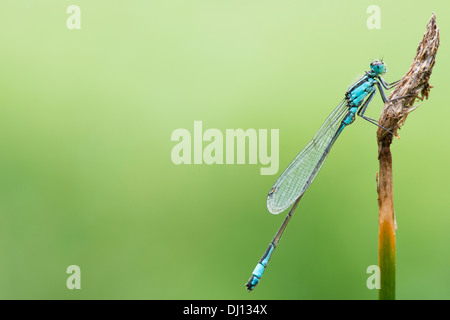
column 86, row 176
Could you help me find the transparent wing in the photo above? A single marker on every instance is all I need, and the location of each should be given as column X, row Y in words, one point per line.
column 297, row 177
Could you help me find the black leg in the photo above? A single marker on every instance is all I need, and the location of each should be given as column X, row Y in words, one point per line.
column 388, row 86
column 363, row 108
column 383, row 95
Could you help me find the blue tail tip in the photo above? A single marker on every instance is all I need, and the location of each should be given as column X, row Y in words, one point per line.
column 252, row 282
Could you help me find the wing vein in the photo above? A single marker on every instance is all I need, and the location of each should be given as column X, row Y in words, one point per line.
column 300, row 173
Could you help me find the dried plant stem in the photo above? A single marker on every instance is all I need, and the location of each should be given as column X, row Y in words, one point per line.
column 386, row 236
column 413, row 85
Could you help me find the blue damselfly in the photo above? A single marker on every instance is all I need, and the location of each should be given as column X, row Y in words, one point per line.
column 298, row 176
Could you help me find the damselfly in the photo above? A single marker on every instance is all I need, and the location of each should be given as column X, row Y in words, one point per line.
column 298, row 176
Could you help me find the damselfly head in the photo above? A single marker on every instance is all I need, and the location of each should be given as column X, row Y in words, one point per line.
column 378, row 67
